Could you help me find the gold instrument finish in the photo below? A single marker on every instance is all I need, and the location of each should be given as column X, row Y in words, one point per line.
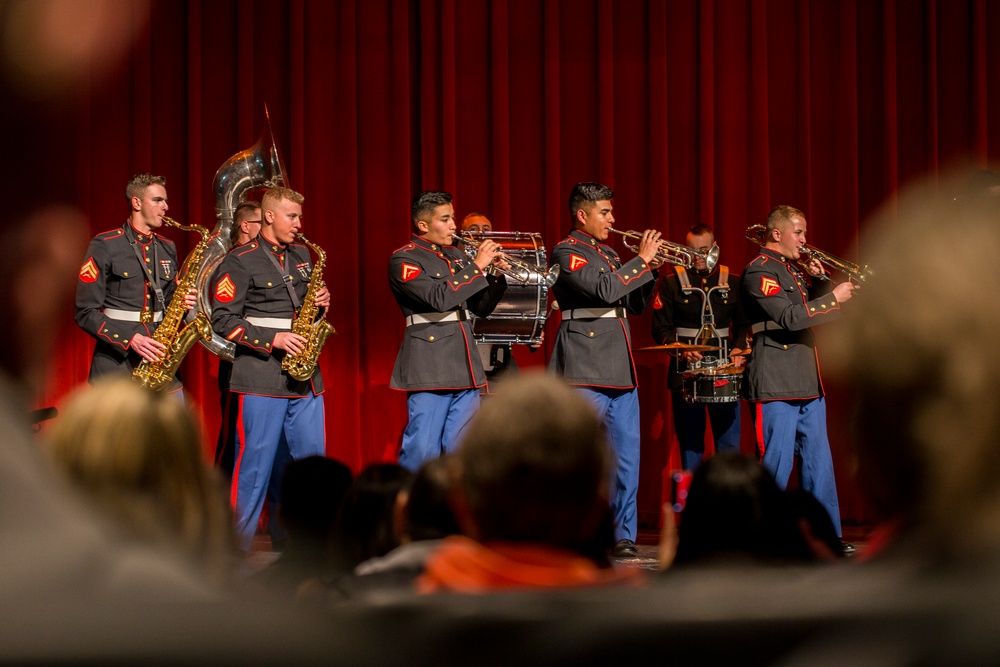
column 856, row 273
column 673, row 253
column 520, row 271
column 177, row 339
column 302, row 365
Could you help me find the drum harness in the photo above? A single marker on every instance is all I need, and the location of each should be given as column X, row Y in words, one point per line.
column 708, row 331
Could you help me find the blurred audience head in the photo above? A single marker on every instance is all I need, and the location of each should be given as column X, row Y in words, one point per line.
column 736, row 512
column 534, row 466
column 366, row 525
column 919, row 348
column 312, row 491
column 426, row 511
column 136, row 454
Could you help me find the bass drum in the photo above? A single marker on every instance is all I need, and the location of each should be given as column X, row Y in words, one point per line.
column 520, row 316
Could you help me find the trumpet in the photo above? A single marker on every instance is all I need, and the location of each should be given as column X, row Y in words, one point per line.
column 674, row 253
column 856, row 273
column 519, row 270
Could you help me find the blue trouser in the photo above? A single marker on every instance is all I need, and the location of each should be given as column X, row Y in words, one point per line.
column 689, row 424
column 436, row 422
column 786, row 429
column 264, row 426
column 618, row 410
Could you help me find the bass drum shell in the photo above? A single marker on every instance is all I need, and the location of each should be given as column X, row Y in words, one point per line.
column 520, row 316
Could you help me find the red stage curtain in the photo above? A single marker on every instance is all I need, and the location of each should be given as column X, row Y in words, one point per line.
column 694, row 111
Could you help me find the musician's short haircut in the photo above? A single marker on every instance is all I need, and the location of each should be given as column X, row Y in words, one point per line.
column 699, row 229
column 275, row 195
column 782, row 213
column 137, row 185
column 244, row 211
column 424, row 204
column 585, row 195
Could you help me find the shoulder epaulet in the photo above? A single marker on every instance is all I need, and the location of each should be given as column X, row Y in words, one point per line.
column 408, row 246
column 110, row 234
column 163, row 238
column 244, row 248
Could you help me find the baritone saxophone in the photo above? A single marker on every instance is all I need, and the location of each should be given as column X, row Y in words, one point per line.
column 302, row 365
column 177, row 340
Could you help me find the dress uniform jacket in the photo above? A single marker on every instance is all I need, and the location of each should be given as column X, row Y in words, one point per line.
column 674, row 309
column 781, row 305
column 112, row 277
column 248, row 285
column 428, row 279
column 596, row 352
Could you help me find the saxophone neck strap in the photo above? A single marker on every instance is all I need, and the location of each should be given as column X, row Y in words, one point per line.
column 285, row 276
column 150, row 275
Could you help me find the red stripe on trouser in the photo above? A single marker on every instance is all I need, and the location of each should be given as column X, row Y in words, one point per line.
column 758, row 428
column 238, row 458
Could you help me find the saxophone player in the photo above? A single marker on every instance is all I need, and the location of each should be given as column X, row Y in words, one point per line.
column 257, row 289
column 128, row 277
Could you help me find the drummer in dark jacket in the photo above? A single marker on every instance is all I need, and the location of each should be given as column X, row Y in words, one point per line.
column 782, row 379
column 592, row 349
column 436, row 286
column 681, row 314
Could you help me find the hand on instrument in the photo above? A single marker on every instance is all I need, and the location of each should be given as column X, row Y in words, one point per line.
column 690, row 357
column 538, row 345
column 292, row 343
column 844, row 291
column 501, row 264
column 148, row 348
column 191, row 299
column 486, row 254
column 737, row 359
column 649, row 246
column 815, row 267
column 323, row 297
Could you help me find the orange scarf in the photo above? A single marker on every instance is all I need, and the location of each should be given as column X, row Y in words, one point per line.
column 464, row 565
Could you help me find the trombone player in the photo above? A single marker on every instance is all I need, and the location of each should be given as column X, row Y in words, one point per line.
column 782, row 380
column 591, row 350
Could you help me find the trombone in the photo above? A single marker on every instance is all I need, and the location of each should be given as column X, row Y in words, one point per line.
column 674, row 253
column 519, row 270
column 855, row 272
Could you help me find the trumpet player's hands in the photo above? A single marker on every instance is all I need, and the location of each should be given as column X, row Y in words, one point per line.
column 191, row 299
column 501, row 264
column 487, row 254
column 292, row 343
column 649, row 248
column 844, row 291
column 323, row 297
column 148, row 348
column 815, row 268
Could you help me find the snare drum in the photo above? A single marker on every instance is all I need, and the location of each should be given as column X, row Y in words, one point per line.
column 712, row 385
column 520, row 316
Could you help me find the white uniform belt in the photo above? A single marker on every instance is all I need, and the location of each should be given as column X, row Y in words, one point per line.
column 767, row 326
column 271, row 322
column 430, row 318
column 592, row 313
column 130, row 315
column 694, row 333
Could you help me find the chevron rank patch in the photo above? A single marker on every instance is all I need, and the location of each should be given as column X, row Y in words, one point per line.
column 657, row 302
column 225, row 290
column 769, row 286
column 410, row 271
column 576, row 262
column 89, row 271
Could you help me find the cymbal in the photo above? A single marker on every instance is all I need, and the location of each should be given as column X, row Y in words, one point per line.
column 678, row 347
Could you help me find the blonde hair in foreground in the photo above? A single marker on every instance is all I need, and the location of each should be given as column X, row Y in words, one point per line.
column 137, row 454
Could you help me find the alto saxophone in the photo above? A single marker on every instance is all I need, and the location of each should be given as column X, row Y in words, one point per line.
column 178, row 341
column 301, row 366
